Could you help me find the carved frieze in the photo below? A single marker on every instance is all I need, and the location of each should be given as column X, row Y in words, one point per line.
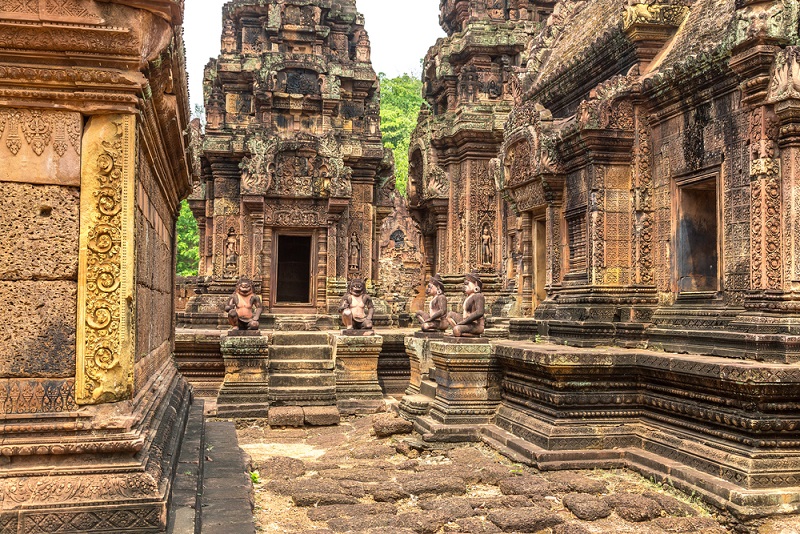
column 42, row 147
column 663, row 14
column 105, row 335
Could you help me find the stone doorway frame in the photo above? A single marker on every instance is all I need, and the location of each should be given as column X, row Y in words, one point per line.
column 288, row 307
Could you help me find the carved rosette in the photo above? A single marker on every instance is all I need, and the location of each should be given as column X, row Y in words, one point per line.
column 105, row 333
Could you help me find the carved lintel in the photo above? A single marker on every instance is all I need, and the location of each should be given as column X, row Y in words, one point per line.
column 105, row 329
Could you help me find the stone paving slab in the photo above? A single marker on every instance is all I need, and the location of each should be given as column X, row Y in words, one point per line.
column 399, row 484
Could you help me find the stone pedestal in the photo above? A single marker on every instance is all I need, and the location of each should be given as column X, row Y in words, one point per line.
column 357, row 386
column 419, row 355
column 245, row 391
column 467, row 390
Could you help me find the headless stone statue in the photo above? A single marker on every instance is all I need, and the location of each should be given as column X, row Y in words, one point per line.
column 244, row 307
column 471, row 322
column 436, row 318
column 356, row 306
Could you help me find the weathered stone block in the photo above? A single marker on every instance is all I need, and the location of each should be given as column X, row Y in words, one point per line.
column 321, row 415
column 287, row 416
column 39, row 225
column 37, row 331
column 357, row 372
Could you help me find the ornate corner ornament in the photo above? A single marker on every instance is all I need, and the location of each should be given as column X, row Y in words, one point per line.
column 105, row 333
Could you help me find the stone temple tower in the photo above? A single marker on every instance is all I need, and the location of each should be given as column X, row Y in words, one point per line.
column 291, row 153
column 468, row 82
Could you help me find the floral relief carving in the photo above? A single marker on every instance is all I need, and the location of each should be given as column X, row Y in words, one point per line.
column 105, row 278
column 41, row 129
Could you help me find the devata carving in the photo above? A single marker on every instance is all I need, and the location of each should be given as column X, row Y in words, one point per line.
column 436, row 318
column 105, row 337
column 356, row 306
column 470, row 323
column 244, row 307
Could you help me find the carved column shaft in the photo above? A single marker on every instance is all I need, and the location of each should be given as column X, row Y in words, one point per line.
column 106, row 292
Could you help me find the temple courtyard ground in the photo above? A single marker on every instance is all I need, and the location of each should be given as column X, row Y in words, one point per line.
column 348, row 479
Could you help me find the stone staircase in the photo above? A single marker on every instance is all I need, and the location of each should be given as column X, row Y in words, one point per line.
column 302, row 369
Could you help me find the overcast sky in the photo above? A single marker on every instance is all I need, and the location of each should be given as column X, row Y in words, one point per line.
column 401, row 34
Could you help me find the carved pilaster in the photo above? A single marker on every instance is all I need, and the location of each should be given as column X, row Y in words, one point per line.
column 106, row 322
column 526, row 305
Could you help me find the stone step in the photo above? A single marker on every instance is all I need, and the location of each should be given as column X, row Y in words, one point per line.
column 301, row 380
column 427, row 388
column 307, row 396
column 300, row 352
column 302, row 365
column 301, row 338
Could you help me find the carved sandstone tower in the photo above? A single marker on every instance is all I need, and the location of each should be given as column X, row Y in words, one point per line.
column 94, row 103
column 467, row 81
column 291, row 154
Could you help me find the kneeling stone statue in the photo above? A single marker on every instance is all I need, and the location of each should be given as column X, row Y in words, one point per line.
column 356, row 306
column 471, row 322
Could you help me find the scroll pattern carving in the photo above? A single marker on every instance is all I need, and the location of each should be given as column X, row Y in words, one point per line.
column 105, row 279
column 765, row 190
column 643, row 222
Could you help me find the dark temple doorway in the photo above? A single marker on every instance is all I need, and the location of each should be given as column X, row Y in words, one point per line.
column 293, row 283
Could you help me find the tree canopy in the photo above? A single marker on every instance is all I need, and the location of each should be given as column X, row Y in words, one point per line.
column 401, row 98
column 187, row 244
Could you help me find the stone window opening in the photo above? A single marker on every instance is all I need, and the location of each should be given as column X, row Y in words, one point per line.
column 697, row 236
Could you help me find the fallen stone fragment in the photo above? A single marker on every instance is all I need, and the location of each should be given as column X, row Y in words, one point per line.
column 405, row 448
column 530, row 485
column 432, row 483
column 472, row 525
column 504, row 501
column 422, row 522
column 384, row 522
column 321, row 415
column 325, row 513
column 281, row 467
column 285, row 416
column 358, row 475
column 524, row 519
column 586, row 507
column 391, row 492
column 373, row 452
column 691, row 525
column 671, row 505
column 570, row 528
column 578, row 483
column 315, row 498
column 454, row 507
column 633, row 507
column 389, row 424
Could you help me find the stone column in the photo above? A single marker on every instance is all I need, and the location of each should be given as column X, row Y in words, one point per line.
column 245, row 391
column 357, row 386
column 467, row 384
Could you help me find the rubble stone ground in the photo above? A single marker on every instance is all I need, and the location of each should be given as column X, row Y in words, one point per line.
column 346, row 479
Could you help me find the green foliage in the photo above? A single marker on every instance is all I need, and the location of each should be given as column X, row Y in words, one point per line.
column 401, row 98
column 188, row 242
column 255, row 477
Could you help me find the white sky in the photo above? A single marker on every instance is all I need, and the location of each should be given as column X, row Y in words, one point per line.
column 401, row 34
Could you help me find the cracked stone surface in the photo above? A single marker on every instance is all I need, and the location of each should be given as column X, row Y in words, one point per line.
column 344, row 479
